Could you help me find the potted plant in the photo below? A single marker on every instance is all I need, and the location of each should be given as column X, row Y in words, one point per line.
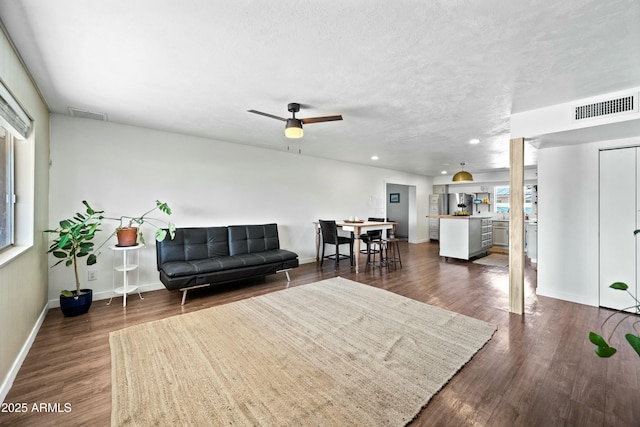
column 603, row 349
column 129, row 230
column 73, row 240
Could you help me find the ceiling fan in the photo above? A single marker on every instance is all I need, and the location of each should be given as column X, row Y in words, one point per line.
column 293, row 129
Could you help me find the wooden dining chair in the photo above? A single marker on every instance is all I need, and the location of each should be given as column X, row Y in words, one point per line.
column 329, row 231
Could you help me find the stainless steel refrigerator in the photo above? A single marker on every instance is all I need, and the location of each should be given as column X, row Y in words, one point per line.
column 455, row 199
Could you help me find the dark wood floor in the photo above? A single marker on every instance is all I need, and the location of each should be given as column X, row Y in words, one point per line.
column 538, row 370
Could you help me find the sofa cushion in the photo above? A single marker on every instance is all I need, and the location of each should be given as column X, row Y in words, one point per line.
column 210, row 265
column 267, row 257
column 200, row 266
column 249, row 239
column 193, row 244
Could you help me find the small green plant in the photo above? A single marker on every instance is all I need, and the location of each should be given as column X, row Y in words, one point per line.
column 603, row 349
column 74, row 240
column 126, row 221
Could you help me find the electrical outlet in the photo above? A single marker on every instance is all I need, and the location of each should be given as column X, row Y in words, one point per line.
column 93, row 275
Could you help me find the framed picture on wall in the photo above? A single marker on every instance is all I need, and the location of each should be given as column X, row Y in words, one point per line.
column 394, row 197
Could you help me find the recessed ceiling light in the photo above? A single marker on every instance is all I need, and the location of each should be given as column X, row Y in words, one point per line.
column 443, row 172
column 374, row 157
column 474, row 141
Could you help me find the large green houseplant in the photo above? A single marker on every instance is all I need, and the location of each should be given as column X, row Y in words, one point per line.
column 129, row 229
column 73, row 240
column 603, row 349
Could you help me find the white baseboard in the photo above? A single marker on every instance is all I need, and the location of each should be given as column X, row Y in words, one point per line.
column 13, row 372
column 102, row 295
column 553, row 293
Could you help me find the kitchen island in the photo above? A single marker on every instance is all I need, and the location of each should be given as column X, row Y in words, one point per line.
column 464, row 237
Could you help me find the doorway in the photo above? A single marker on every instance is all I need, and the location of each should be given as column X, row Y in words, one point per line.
column 401, row 208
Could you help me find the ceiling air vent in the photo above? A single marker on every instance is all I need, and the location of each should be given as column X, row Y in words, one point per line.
column 75, row 112
column 606, row 108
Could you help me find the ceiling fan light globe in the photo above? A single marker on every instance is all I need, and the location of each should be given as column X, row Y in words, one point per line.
column 293, row 129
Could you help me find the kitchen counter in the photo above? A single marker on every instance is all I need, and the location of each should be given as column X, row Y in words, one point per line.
column 464, row 239
column 527, row 221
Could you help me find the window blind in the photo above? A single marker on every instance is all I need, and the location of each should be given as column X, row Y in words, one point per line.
column 13, row 114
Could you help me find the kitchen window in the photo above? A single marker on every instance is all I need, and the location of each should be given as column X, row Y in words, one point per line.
column 501, row 197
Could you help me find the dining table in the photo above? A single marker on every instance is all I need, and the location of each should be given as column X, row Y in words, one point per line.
column 356, row 228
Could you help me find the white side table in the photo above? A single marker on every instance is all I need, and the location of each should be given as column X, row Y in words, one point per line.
column 126, row 260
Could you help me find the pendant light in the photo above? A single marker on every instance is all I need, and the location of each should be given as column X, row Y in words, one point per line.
column 293, row 128
column 462, row 176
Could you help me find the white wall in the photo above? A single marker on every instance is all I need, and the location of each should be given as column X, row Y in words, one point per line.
column 23, row 269
column 568, row 220
column 124, row 169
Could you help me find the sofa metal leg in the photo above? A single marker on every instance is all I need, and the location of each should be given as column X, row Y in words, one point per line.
column 185, row 290
column 286, row 272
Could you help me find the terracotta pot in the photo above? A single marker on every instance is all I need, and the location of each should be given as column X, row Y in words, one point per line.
column 127, row 236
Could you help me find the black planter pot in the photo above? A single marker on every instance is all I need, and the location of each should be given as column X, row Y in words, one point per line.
column 76, row 305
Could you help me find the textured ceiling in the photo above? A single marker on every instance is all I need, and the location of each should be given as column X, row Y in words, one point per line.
column 413, row 80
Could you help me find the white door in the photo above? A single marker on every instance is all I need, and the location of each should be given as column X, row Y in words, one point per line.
column 618, row 194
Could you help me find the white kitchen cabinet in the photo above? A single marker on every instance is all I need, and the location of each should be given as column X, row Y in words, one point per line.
column 464, row 237
column 531, row 241
column 434, row 228
column 434, row 210
column 487, row 233
column 619, row 204
column 501, row 233
column 440, row 189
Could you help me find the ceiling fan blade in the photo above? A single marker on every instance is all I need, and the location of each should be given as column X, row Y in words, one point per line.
column 267, row 115
column 321, row 119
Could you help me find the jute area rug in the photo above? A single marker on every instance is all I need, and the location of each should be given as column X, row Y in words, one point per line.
column 330, row 353
column 496, row 260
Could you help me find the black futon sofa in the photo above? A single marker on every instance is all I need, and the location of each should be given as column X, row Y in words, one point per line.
column 203, row 256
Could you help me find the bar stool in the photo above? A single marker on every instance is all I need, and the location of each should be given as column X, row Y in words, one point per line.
column 372, row 243
column 381, row 254
column 371, row 239
column 393, row 252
